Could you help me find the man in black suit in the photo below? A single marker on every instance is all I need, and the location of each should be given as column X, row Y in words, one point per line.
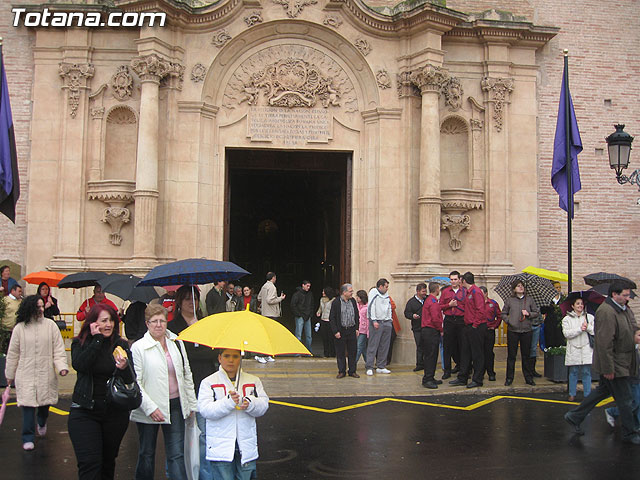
column 413, row 312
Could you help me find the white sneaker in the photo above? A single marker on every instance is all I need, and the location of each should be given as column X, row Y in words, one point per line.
column 270, row 359
column 382, row 370
column 610, row 420
column 370, row 372
column 261, row 359
column 28, row 446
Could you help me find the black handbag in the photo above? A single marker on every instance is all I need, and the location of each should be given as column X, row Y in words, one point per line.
column 126, row 396
column 592, row 340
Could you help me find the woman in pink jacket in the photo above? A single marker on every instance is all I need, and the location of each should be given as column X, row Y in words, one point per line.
column 363, row 329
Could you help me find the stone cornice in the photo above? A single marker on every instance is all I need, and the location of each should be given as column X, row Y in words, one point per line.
column 514, row 33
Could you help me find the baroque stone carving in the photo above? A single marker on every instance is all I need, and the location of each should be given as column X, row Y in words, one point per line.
column 117, row 194
column 406, row 87
column 452, row 91
column 220, row 38
column 499, row 90
column 175, row 77
column 476, row 124
column 362, row 45
column 383, row 79
column 151, row 67
column 116, row 217
column 294, row 7
column 122, row 83
column 253, row 19
column 289, row 76
column 455, row 223
column 453, row 128
column 96, row 112
column 332, row 21
column 430, row 78
column 75, row 76
column 121, row 115
column 198, row 72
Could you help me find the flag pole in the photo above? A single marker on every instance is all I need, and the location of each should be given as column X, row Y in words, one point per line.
column 567, row 128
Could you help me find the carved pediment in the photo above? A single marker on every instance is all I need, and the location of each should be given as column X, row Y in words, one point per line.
column 290, row 76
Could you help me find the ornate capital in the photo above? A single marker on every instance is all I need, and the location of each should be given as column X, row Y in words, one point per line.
column 253, row 19
column 198, row 72
column 122, row 83
column 75, row 76
column 383, row 79
column 97, row 113
column 175, row 77
column 151, row 68
column 499, row 90
column 455, row 224
column 476, row 124
column 406, row 87
column 294, row 7
column 430, row 79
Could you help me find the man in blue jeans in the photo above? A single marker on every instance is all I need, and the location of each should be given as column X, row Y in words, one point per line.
column 302, row 309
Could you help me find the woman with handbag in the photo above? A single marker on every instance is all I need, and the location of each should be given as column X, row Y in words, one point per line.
column 97, row 423
column 577, row 325
column 36, row 353
column 50, row 302
column 168, row 395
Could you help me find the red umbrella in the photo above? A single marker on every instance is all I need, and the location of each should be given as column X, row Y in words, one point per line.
column 5, row 400
column 50, row 278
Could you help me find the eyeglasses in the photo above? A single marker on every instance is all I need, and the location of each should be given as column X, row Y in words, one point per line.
column 157, row 322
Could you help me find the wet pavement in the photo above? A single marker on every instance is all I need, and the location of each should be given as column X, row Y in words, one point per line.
column 455, row 436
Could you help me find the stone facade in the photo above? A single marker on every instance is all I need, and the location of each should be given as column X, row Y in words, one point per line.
column 119, row 151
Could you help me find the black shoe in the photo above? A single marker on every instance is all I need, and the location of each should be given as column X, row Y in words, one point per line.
column 438, row 382
column 457, row 382
column 492, row 378
column 635, row 439
column 536, row 374
column 576, row 426
column 474, row 385
column 417, row 369
column 446, row 375
column 455, row 370
column 341, row 375
column 431, row 385
column 530, row 382
column 508, row 382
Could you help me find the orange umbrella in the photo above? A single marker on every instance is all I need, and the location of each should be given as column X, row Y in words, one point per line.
column 50, row 278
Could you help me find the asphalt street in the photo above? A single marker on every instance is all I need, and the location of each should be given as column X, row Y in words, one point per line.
column 448, row 436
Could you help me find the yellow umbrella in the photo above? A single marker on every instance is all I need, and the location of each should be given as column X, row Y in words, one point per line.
column 244, row 331
column 549, row 274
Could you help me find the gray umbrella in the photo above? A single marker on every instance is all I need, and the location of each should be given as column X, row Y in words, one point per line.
column 540, row 289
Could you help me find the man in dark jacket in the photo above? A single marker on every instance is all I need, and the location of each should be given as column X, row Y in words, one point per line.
column 344, row 321
column 302, row 309
column 216, row 299
column 615, row 360
column 413, row 312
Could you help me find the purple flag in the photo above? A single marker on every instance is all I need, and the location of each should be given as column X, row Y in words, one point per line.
column 9, row 182
column 559, row 167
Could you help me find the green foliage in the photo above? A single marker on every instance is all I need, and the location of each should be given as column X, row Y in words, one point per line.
column 556, row 350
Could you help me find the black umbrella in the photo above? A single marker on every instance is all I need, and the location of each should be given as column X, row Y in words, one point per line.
column 591, row 298
column 124, row 287
column 603, row 289
column 540, row 289
column 81, row 279
column 594, row 279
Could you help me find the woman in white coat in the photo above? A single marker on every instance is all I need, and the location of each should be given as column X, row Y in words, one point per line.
column 168, row 395
column 577, row 325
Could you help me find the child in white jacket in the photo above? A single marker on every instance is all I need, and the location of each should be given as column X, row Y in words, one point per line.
column 230, row 408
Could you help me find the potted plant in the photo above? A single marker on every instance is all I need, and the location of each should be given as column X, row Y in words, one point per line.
column 554, row 367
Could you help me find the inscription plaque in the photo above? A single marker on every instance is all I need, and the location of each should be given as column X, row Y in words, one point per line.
column 289, row 126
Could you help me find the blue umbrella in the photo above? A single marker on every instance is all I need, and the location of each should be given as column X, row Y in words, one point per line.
column 193, row 271
column 440, row 280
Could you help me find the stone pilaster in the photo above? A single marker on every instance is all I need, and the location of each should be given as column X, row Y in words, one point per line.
column 429, row 80
column 151, row 69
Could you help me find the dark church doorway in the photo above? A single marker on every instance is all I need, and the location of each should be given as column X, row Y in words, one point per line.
column 288, row 212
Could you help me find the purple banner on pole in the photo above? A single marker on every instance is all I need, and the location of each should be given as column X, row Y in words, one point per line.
column 559, row 167
column 9, row 181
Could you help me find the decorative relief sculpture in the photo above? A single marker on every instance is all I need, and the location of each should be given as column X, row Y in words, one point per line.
column 121, row 115
column 151, row 67
column 116, row 217
column 430, row 78
column 499, row 90
column 452, row 91
column 96, row 112
column 220, row 38
column 175, row 77
column 455, row 224
column 117, row 194
column 253, row 19
column 198, row 72
column 294, row 7
column 332, row 21
column 289, row 76
column 476, row 124
column 383, row 79
column 453, row 127
column 406, row 87
column 122, row 83
column 362, row 45
column 75, row 77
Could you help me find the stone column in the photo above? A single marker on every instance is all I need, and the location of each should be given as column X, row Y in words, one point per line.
column 429, row 80
column 151, row 69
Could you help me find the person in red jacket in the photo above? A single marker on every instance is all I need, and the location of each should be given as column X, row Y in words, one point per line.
column 431, row 322
column 452, row 301
column 98, row 297
column 475, row 327
column 492, row 312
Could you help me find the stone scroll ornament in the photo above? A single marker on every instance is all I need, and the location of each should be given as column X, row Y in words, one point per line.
column 198, row 72
column 294, row 7
column 253, row 19
column 455, row 223
column 220, row 38
column 122, row 83
column 290, row 76
column 75, row 76
column 116, row 217
column 499, row 90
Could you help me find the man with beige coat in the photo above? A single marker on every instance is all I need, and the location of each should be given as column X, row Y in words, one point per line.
column 270, row 305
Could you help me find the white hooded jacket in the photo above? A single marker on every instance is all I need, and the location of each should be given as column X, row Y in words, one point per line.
column 579, row 352
column 379, row 308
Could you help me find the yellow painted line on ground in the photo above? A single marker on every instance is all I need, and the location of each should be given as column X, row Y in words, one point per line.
column 58, row 411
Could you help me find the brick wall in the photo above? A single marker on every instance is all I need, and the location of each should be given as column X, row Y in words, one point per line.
column 18, row 62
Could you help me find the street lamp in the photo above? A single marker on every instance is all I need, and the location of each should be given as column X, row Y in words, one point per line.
column 619, row 143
